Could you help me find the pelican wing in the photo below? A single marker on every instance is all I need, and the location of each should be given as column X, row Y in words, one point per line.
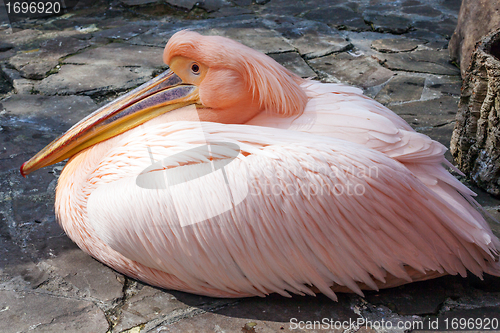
column 343, row 112
column 303, row 210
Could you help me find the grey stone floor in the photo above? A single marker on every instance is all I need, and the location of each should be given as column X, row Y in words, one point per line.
column 57, row 70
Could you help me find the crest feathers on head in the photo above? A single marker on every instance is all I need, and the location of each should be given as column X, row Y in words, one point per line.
column 276, row 88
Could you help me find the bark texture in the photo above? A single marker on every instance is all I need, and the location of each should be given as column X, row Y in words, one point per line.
column 477, row 18
column 475, row 143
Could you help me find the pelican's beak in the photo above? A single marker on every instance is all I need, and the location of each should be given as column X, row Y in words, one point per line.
column 162, row 94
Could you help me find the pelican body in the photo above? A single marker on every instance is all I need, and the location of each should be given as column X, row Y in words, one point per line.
column 229, row 176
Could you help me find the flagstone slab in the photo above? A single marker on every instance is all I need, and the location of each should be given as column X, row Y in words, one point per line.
column 388, row 23
column 427, row 114
column 123, row 32
column 401, row 89
column 294, row 62
column 258, row 38
column 422, row 10
column 80, row 270
column 55, row 112
column 27, row 311
column 395, row 45
column 420, row 61
column 311, row 39
column 148, row 304
column 362, row 71
column 36, row 63
column 120, row 54
column 339, row 17
column 246, row 29
column 93, row 79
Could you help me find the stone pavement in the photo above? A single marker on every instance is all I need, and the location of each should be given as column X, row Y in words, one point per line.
column 57, row 70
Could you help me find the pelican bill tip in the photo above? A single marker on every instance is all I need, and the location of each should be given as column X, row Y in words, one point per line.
column 22, row 170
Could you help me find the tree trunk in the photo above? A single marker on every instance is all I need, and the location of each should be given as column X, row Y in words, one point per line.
column 475, row 143
column 477, row 18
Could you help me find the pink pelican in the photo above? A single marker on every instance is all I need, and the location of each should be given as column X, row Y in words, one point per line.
column 329, row 190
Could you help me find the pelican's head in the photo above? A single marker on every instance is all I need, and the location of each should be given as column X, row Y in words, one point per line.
column 227, row 81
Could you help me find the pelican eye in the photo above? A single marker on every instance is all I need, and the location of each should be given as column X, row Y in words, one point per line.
column 195, row 69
